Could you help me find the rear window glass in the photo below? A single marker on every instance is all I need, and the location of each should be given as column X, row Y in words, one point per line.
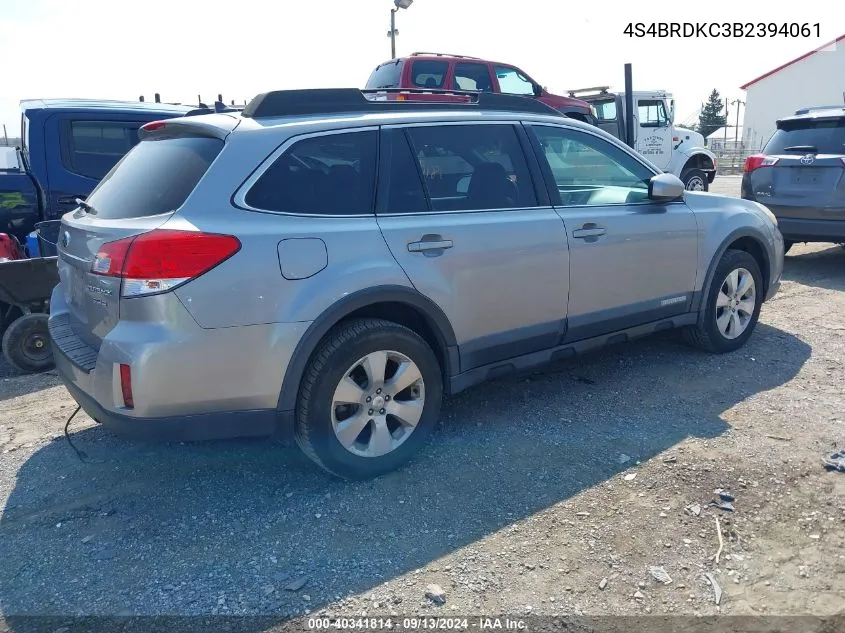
column 825, row 137
column 428, row 73
column 385, row 76
column 155, row 177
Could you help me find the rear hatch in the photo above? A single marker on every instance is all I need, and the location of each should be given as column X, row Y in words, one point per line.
column 138, row 195
column 803, row 168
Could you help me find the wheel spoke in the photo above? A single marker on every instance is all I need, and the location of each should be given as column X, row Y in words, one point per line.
column 348, row 392
column 732, row 281
column 407, row 374
column 349, row 430
column 722, row 300
column 746, row 307
column 746, row 283
column 381, row 440
column 723, row 321
column 408, row 413
column 736, row 325
column 374, row 365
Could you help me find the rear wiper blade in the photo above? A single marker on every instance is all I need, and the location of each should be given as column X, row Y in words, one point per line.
column 802, row 148
column 87, row 207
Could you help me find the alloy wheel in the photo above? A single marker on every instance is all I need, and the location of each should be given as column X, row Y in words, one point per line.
column 735, row 303
column 378, row 403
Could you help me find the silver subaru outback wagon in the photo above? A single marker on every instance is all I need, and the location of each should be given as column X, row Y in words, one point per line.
column 336, row 260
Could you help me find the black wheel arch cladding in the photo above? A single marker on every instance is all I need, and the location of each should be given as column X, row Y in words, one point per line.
column 434, row 317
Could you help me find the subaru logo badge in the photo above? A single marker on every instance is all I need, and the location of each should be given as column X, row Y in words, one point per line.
column 809, row 159
column 65, row 239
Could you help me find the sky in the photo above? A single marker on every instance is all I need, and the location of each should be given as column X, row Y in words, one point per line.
column 184, row 48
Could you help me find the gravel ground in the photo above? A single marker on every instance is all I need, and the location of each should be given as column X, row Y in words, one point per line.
column 547, row 494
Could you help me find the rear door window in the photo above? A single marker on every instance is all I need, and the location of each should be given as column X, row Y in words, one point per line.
column 472, row 167
column 429, row 73
column 330, row 174
column 156, row 176
column 472, row 76
column 92, row 148
column 807, row 136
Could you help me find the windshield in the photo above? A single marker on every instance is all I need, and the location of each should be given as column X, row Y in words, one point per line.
column 824, row 137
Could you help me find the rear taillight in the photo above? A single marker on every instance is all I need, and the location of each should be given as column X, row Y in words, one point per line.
column 758, row 160
column 162, row 259
column 152, row 126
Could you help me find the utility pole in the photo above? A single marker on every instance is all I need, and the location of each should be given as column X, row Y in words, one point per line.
column 393, row 32
column 726, row 121
column 6, row 136
column 737, row 103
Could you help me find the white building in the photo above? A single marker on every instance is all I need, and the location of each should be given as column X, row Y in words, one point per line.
column 726, row 138
column 816, row 78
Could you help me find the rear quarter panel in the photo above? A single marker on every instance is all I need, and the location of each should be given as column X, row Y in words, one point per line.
column 249, row 288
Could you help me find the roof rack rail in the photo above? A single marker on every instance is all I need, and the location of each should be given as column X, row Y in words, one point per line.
column 444, row 55
column 279, row 103
column 598, row 89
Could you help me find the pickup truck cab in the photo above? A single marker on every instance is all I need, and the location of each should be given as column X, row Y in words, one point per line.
column 439, row 71
column 67, row 146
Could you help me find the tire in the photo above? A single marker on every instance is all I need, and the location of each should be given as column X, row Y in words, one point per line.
column 343, row 356
column 26, row 344
column 787, row 244
column 695, row 180
column 707, row 334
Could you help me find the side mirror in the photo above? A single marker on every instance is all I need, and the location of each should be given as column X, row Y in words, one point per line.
column 672, row 111
column 665, row 187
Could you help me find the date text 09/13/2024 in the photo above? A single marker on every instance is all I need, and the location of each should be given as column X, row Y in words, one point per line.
column 422, row 623
column 723, row 29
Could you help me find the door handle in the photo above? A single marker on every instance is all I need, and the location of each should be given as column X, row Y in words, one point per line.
column 426, row 245
column 588, row 232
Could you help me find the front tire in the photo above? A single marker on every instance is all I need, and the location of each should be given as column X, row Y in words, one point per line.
column 26, row 344
column 695, row 180
column 369, row 400
column 732, row 305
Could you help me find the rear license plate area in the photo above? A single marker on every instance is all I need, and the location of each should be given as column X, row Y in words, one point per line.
column 807, row 176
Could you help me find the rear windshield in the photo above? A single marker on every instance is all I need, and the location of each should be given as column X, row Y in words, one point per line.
column 385, row 76
column 825, row 137
column 156, row 176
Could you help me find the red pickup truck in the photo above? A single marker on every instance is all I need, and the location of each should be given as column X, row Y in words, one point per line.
column 438, row 71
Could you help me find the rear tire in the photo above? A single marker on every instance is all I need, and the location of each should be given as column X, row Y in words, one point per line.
column 732, row 305
column 695, row 180
column 349, row 421
column 26, row 344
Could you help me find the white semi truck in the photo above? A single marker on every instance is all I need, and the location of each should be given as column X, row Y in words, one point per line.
column 675, row 150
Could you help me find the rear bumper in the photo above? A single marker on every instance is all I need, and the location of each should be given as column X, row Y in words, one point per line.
column 801, row 230
column 180, row 428
column 188, row 383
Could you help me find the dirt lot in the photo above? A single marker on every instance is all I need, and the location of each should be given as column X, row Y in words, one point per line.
column 548, row 494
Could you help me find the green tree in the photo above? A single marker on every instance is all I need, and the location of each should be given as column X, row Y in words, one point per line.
column 711, row 118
